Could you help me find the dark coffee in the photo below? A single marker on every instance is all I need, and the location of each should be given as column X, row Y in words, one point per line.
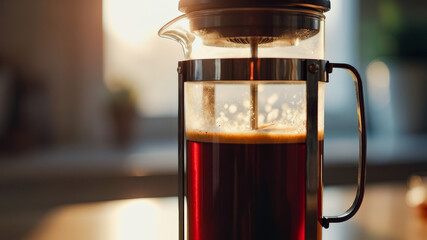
column 246, row 187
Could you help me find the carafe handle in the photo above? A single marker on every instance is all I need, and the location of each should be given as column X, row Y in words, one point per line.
column 362, row 146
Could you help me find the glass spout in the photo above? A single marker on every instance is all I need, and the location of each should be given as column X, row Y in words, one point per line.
column 179, row 30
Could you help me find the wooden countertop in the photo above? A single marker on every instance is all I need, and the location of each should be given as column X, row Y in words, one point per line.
column 384, row 215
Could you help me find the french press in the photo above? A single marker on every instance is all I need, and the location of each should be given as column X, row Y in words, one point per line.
column 251, row 119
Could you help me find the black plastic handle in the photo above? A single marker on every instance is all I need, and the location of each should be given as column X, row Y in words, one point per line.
column 362, row 146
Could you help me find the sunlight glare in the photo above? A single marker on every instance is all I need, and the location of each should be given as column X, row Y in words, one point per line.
column 136, row 57
column 136, row 218
column 133, row 21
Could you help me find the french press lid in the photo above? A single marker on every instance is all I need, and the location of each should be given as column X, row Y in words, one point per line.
column 188, row 6
column 228, row 23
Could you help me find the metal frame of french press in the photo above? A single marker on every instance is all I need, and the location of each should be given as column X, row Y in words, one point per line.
column 310, row 70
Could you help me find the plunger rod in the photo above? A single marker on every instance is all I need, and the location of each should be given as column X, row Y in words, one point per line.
column 209, row 104
column 253, row 87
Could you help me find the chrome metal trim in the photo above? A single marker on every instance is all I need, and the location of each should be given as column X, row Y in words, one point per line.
column 312, row 174
column 259, row 69
column 181, row 150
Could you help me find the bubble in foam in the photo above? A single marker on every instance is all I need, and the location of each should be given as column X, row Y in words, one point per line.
column 273, row 115
column 222, row 116
column 268, row 108
column 283, row 114
column 242, row 118
column 261, row 119
column 221, row 121
column 225, row 106
column 232, row 109
column 246, row 103
column 273, row 99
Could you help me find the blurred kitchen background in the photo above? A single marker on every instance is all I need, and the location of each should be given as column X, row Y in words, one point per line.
column 88, row 128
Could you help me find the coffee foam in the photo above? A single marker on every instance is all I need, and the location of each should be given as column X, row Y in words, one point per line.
column 248, row 137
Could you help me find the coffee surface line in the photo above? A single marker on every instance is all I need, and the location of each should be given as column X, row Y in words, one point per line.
column 255, row 137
